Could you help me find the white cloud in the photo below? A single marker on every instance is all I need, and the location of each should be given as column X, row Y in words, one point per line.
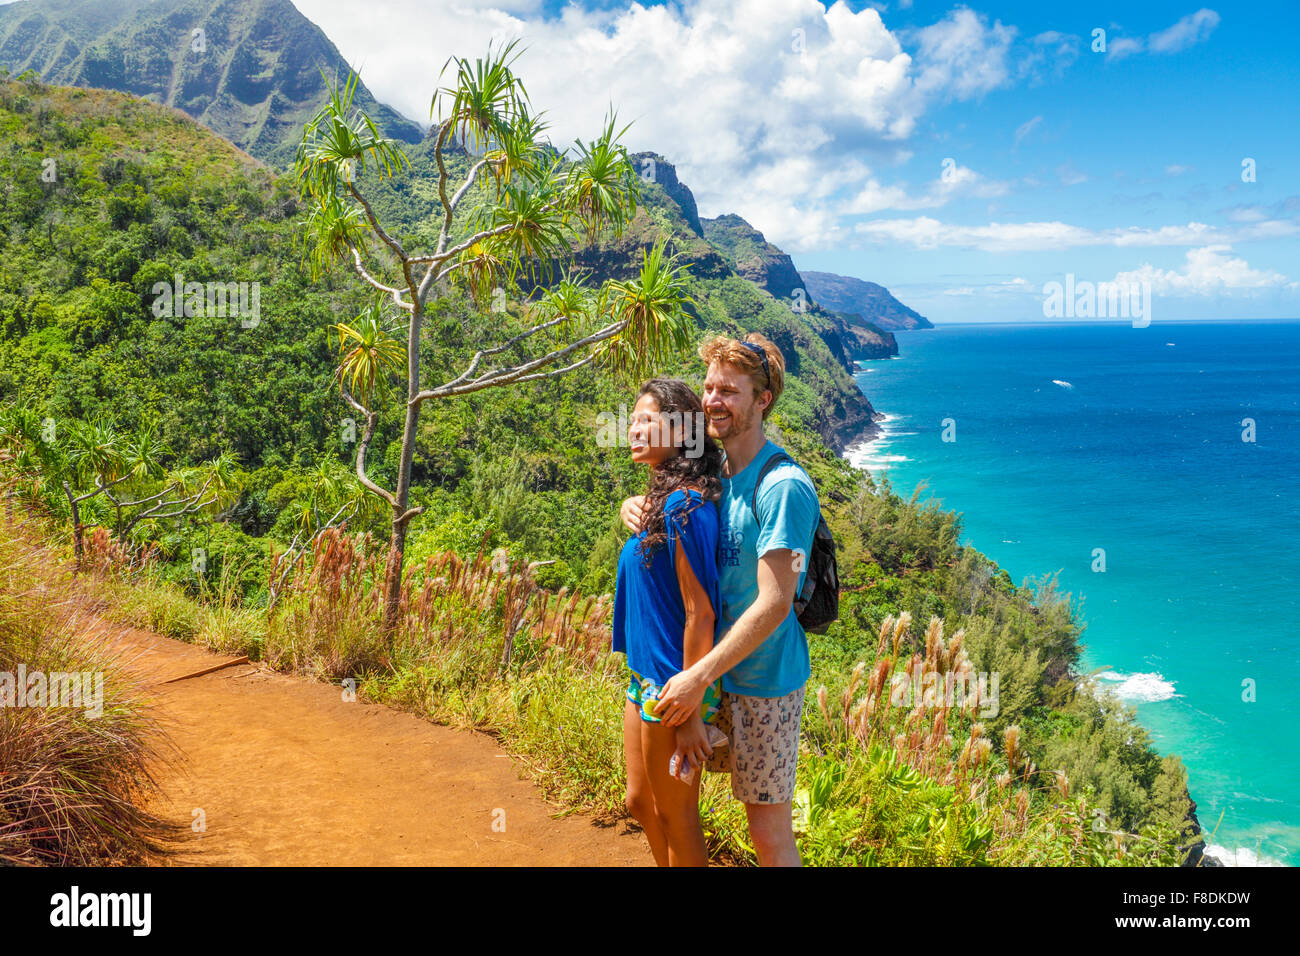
column 767, row 107
column 963, row 56
column 1016, row 286
column 1190, row 30
column 1209, row 270
column 954, row 182
column 1070, row 176
column 924, row 232
column 1025, row 128
column 1051, row 48
column 1123, row 46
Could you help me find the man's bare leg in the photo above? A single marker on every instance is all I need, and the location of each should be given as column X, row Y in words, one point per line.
column 771, row 829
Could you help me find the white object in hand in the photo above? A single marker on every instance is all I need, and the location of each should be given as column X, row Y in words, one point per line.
column 687, row 772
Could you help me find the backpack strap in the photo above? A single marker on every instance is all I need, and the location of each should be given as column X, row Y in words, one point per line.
column 809, row 583
column 767, row 466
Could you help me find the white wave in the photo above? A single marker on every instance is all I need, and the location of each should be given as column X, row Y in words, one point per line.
column 1057, row 381
column 1147, row 688
column 1239, row 857
column 870, row 458
column 871, row 454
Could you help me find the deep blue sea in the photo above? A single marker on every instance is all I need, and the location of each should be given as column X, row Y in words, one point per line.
column 1075, row 437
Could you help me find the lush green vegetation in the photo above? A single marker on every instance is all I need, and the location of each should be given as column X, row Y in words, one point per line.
column 142, row 194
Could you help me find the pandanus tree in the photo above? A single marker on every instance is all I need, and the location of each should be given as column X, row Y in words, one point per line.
column 333, row 498
column 90, row 460
column 512, row 216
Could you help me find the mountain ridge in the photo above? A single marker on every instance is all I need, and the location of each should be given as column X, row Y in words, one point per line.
column 850, row 337
column 249, row 70
column 870, row 300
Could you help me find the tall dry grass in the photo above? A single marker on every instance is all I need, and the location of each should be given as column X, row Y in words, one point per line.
column 997, row 806
column 72, row 785
column 329, row 620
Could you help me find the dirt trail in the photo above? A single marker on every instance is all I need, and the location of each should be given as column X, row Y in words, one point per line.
column 288, row 773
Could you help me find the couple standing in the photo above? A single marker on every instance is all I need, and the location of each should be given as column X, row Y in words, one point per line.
column 704, row 605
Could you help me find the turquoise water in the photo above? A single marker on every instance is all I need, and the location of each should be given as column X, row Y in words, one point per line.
column 1083, row 436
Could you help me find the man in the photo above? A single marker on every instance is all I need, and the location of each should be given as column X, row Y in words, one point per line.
column 762, row 657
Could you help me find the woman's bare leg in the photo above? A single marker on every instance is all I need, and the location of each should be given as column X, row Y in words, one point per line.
column 640, row 799
column 677, row 804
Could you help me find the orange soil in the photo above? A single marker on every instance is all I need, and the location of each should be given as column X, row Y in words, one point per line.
column 288, row 773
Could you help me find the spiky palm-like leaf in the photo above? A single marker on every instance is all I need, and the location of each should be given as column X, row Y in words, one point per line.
column 481, row 271
column 486, row 99
column 519, row 153
column 653, row 306
column 602, row 187
column 368, row 353
column 332, row 226
column 569, row 299
column 95, row 450
column 143, row 453
column 534, row 231
column 338, row 143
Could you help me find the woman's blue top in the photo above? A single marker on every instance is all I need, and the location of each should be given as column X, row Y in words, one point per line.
column 649, row 616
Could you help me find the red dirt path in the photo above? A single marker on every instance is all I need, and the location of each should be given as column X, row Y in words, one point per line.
column 288, row 773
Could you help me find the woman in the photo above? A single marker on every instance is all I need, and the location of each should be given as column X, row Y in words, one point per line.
column 666, row 607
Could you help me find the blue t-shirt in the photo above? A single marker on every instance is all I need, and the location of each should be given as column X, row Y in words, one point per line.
column 649, row 615
column 788, row 512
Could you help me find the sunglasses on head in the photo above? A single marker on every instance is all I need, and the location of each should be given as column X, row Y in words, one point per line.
column 761, row 353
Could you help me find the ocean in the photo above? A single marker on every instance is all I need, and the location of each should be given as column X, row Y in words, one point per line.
column 1156, row 469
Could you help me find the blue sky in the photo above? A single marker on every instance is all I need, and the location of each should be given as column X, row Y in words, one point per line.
column 1148, row 139
column 962, row 155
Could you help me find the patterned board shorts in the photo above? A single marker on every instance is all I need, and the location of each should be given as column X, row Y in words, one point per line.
column 644, row 692
column 763, row 748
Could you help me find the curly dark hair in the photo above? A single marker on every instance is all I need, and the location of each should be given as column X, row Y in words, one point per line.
column 702, row 471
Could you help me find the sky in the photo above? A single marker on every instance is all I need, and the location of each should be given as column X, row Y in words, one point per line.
column 963, row 156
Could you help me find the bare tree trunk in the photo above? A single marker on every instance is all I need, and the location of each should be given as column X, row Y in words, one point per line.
column 76, row 523
column 393, row 580
column 402, row 513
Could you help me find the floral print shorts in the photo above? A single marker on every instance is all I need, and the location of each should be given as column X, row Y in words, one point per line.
column 644, row 693
column 763, row 749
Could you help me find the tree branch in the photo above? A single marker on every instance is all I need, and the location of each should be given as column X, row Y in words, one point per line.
column 460, row 386
column 460, row 193
column 100, row 487
column 296, row 550
column 362, row 446
column 392, row 243
column 360, row 268
column 556, row 372
column 186, row 505
column 448, row 210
